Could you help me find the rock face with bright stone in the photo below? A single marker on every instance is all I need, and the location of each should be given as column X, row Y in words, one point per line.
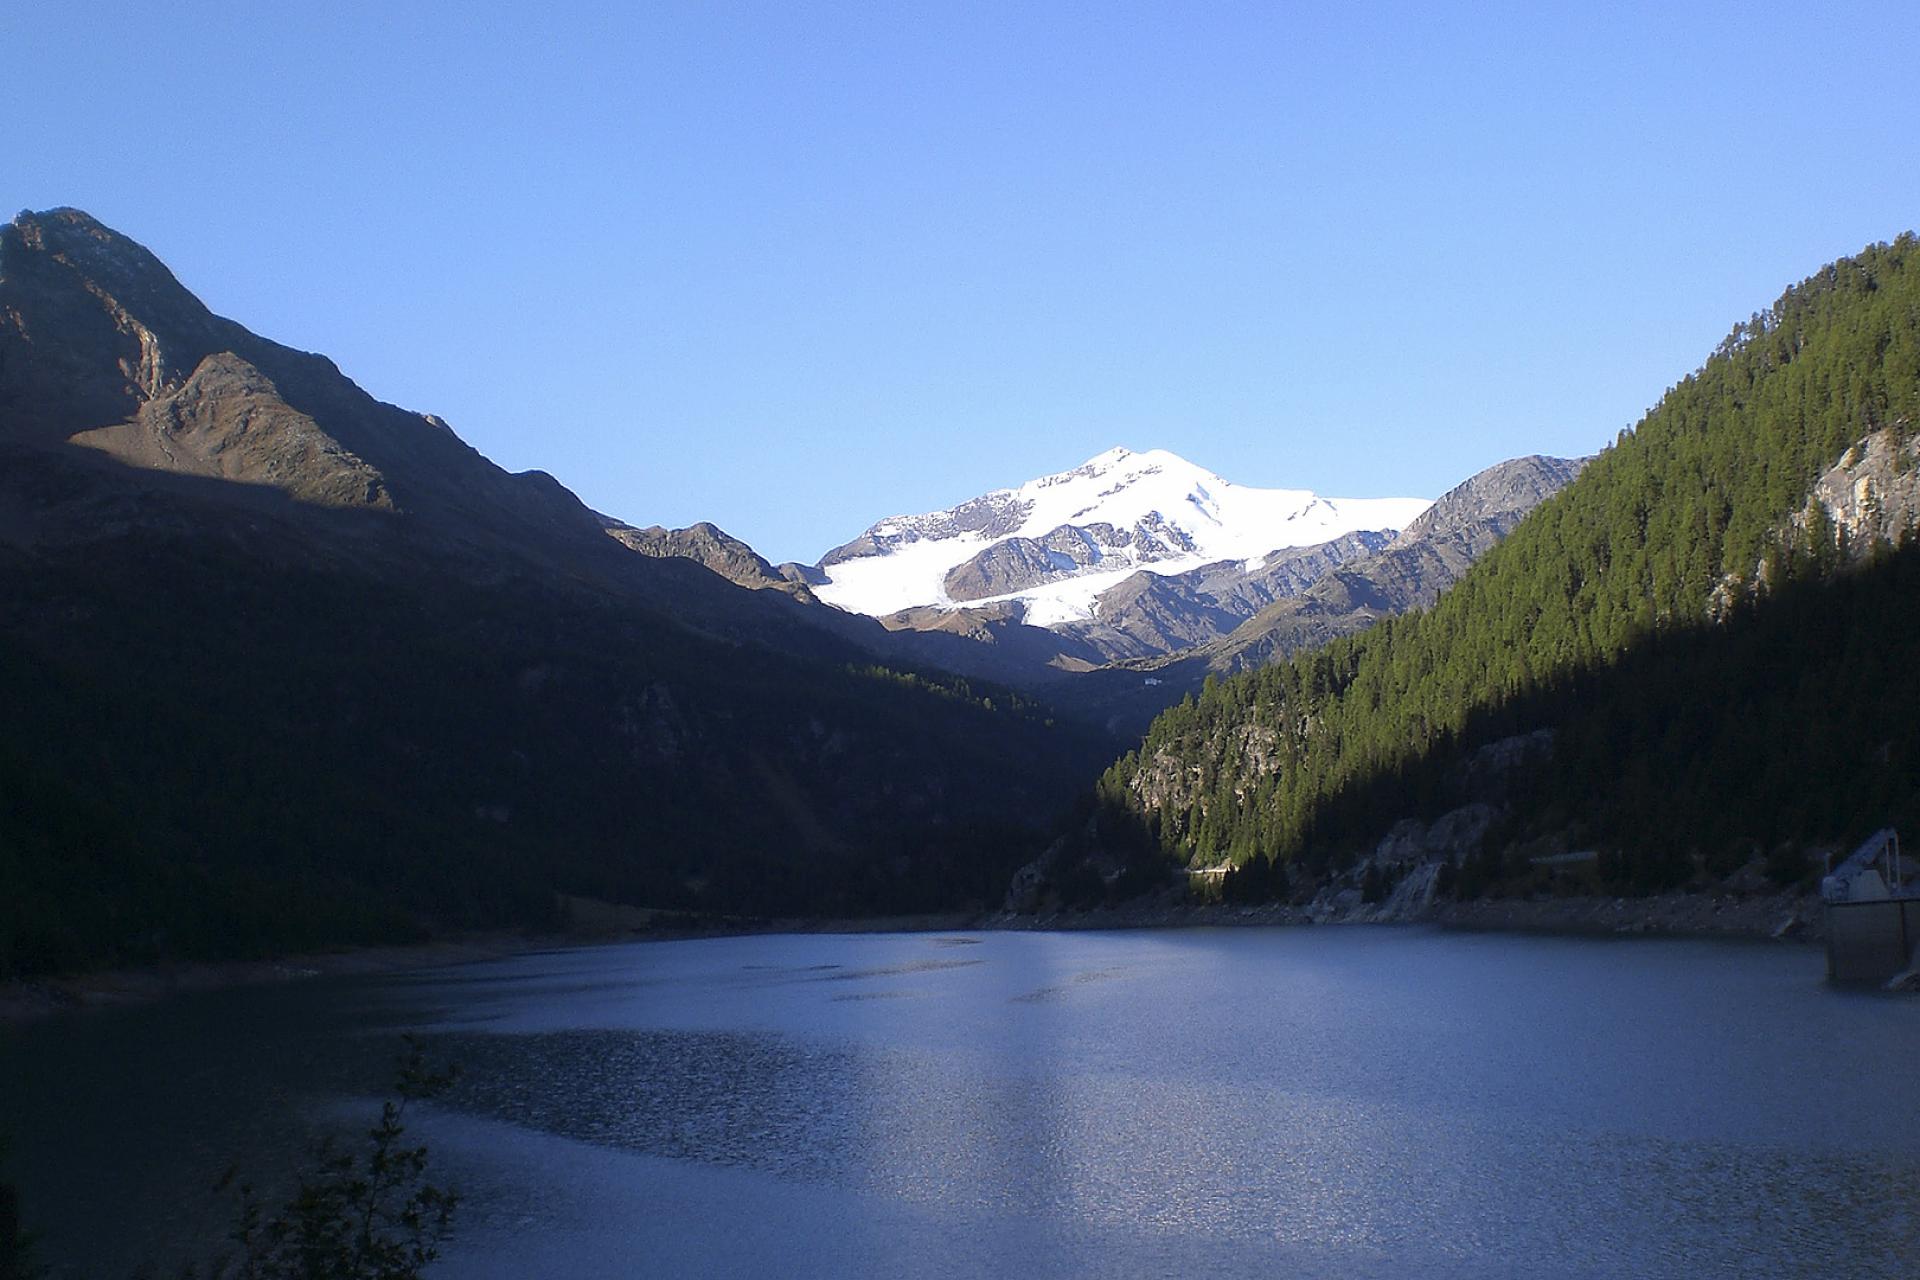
column 1873, row 493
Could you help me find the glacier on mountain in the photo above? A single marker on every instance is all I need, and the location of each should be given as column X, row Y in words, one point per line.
column 1053, row 545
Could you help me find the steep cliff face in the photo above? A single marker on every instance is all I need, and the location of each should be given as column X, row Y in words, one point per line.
column 1872, row 494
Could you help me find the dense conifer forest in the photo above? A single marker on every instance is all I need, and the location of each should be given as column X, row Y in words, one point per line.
column 284, row 666
column 1720, row 670
column 200, row 758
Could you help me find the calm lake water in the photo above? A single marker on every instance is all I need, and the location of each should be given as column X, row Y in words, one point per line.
column 1318, row 1102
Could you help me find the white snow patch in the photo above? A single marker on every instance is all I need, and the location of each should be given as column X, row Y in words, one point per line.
column 1073, row 599
column 1222, row 520
column 910, row 574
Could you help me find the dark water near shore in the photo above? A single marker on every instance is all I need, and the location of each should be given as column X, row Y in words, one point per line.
column 1371, row 1102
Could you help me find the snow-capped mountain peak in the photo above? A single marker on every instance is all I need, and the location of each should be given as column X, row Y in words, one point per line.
column 1055, row 543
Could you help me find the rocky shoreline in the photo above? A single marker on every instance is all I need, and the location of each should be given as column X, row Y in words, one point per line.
column 1781, row 917
column 1785, row 917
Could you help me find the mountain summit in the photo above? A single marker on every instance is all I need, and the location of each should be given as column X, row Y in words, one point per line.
column 1052, row 545
column 101, row 347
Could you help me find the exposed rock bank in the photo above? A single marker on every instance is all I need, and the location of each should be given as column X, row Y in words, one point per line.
column 1787, row 917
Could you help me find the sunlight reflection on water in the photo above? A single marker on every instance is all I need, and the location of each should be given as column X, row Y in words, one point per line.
column 1236, row 1103
column 1333, row 1108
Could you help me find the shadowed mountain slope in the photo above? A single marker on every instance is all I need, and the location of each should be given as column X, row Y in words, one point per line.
column 100, row 346
column 282, row 665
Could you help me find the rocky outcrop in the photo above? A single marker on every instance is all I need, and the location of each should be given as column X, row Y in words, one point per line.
column 804, row 574
column 1017, row 564
column 1032, row 884
column 997, row 628
column 1489, row 773
column 993, row 515
column 1152, row 613
column 1474, row 515
column 1873, row 493
column 1014, row 564
column 228, row 421
column 708, row 545
column 1404, row 869
column 1452, row 835
column 1868, row 501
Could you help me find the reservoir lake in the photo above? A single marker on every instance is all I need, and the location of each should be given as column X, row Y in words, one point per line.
column 1328, row 1101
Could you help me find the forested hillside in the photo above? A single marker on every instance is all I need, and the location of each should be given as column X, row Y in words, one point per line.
column 208, row 752
column 283, row 666
column 1718, row 671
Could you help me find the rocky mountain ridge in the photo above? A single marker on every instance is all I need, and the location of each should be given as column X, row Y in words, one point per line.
column 1427, row 557
column 1153, row 636
column 1338, row 597
column 1152, row 614
column 118, row 377
column 1054, row 544
column 706, row 544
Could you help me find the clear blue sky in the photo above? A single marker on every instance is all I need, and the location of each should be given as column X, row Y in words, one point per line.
column 793, row 267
